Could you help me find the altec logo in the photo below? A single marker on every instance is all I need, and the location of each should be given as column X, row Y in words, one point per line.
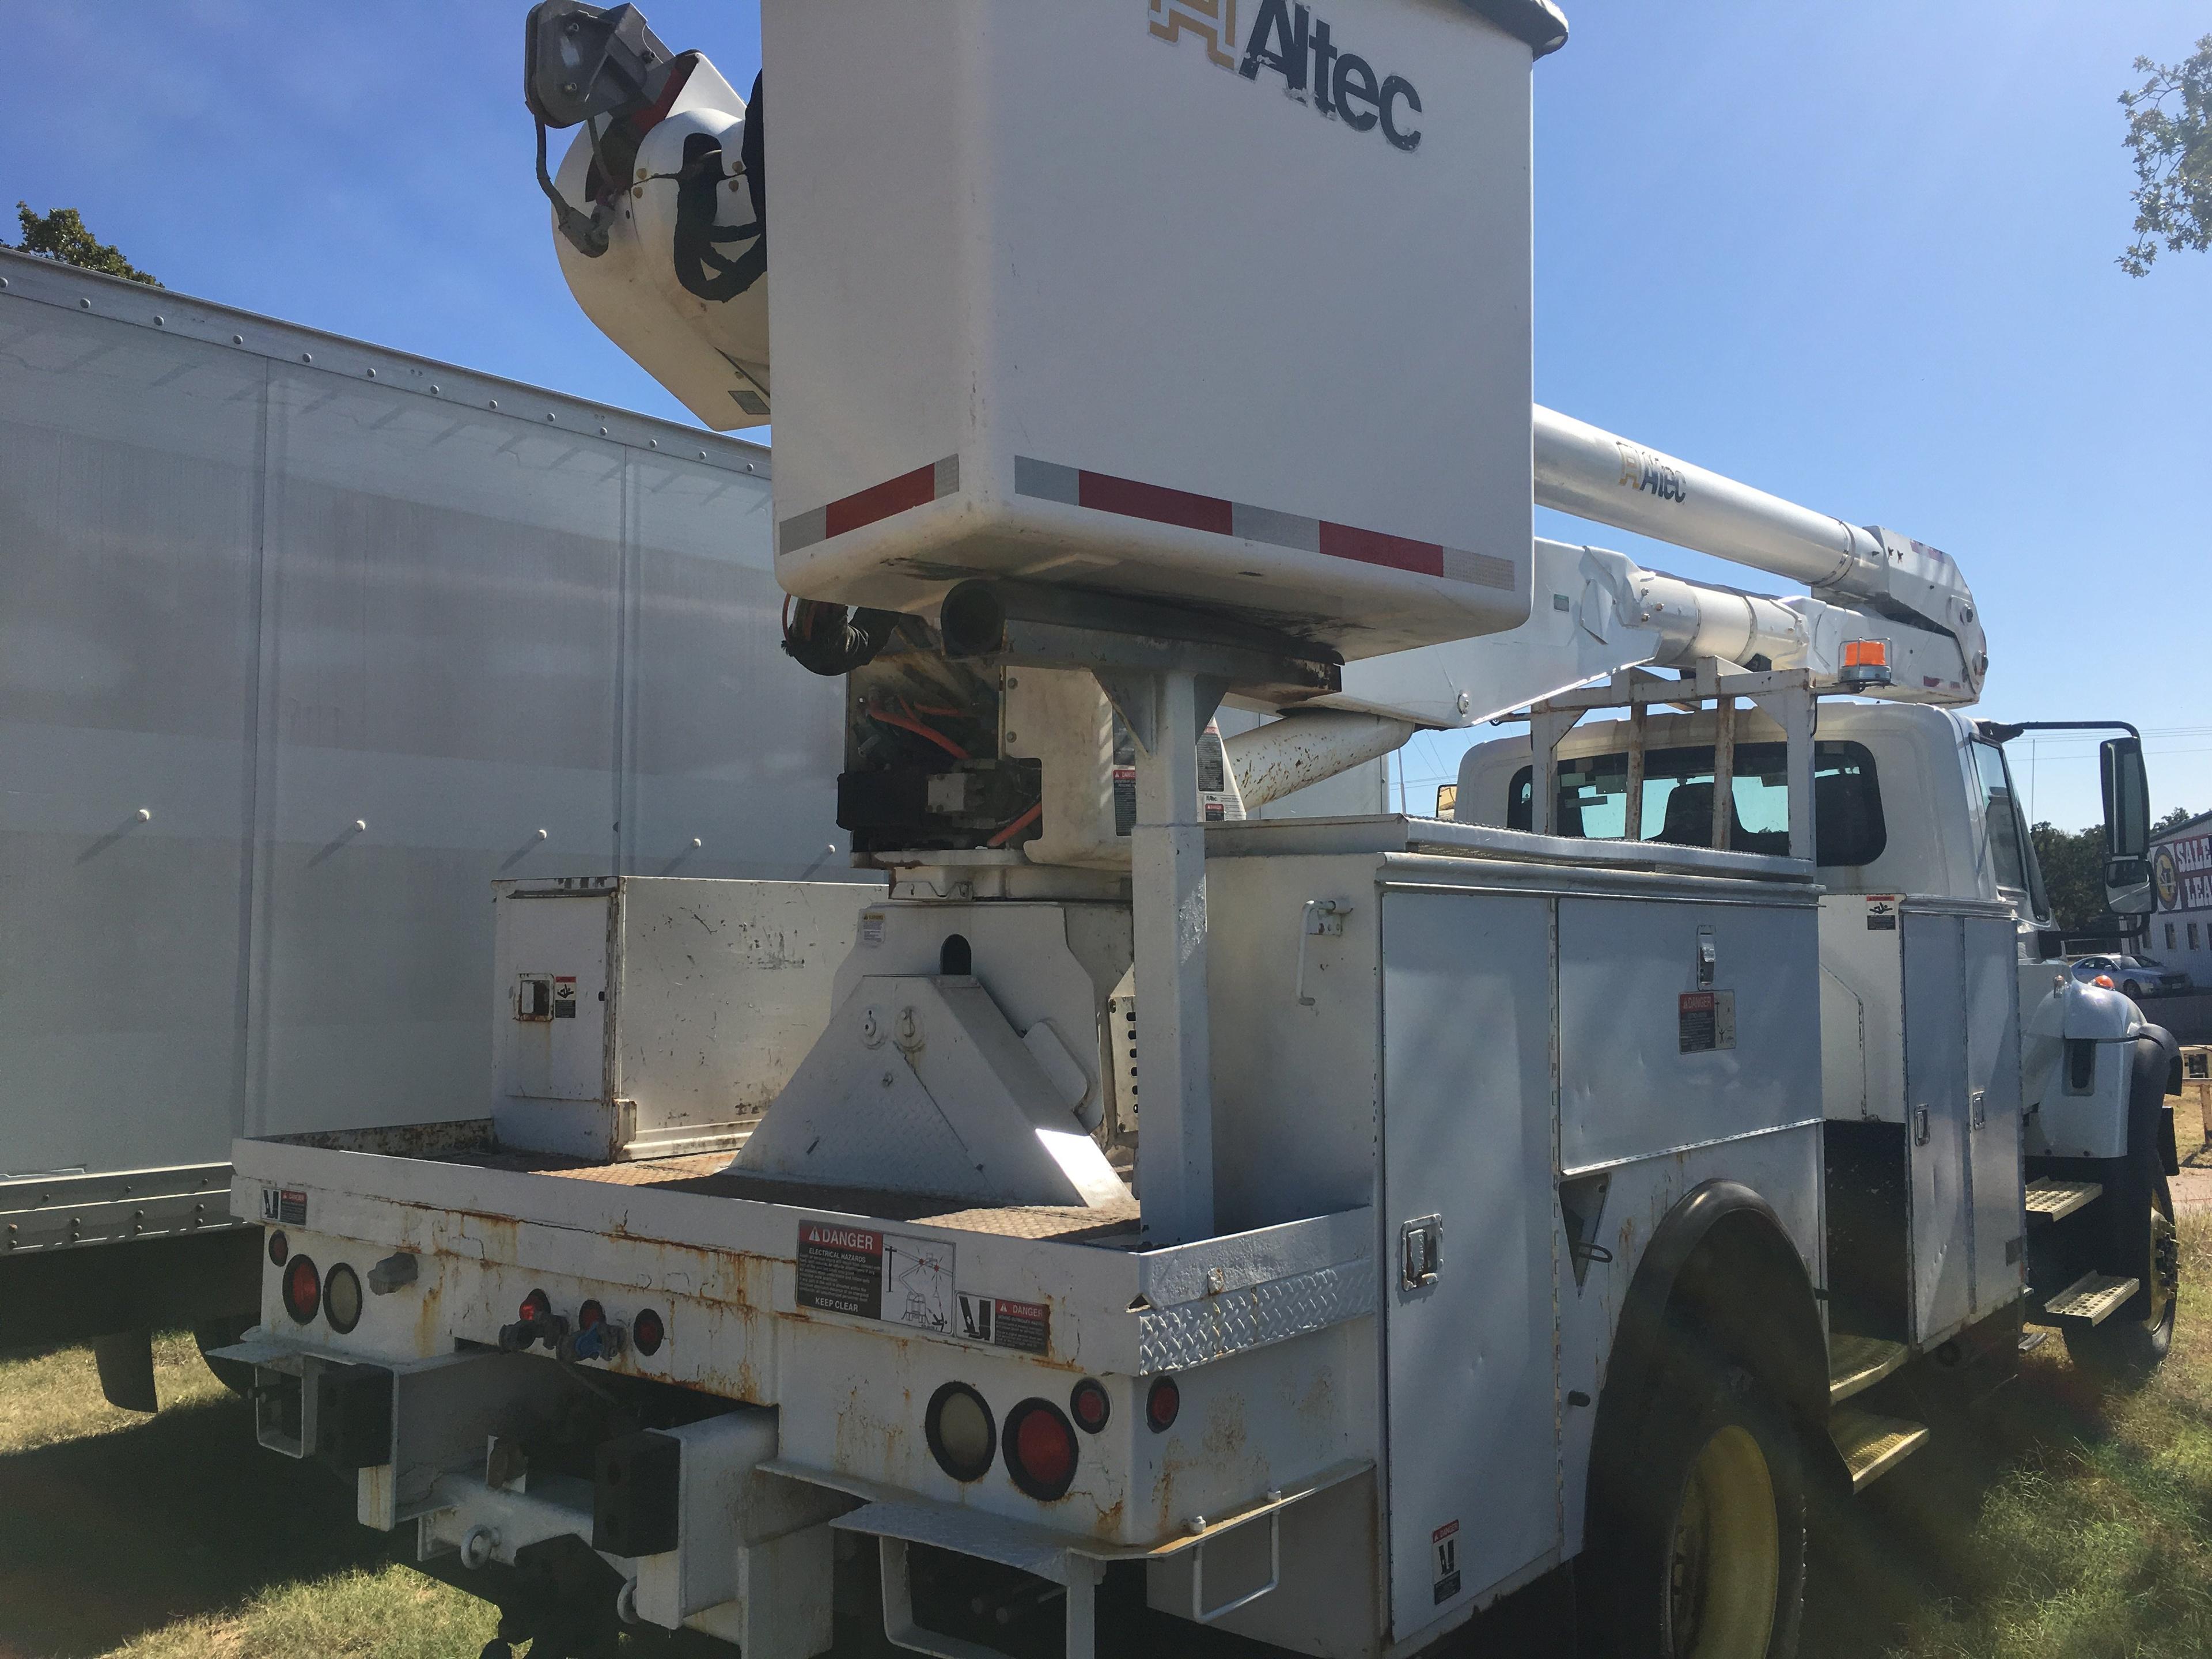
column 1291, row 41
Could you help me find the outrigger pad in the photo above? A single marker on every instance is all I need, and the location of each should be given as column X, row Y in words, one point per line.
column 921, row 1085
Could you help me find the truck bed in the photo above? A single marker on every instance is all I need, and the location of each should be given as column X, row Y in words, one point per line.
column 470, row 1144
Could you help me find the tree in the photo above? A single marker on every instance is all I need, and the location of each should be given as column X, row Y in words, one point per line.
column 2073, row 874
column 61, row 235
column 2173, row 157
column 2172, row 820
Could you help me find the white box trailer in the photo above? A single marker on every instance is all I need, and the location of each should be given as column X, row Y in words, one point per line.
column 305, row 642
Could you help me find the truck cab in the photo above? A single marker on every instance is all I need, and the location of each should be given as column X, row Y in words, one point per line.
column 1959, row 1055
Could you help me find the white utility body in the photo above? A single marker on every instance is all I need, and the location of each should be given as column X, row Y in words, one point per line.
column 1147, row 1214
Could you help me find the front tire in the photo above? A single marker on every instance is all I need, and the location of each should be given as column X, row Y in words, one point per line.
column 1703, row 1557
column 2123, row 1352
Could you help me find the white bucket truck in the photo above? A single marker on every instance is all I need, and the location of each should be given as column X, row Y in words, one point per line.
column 1159, row 1217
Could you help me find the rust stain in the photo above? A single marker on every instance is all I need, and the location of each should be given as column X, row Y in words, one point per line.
column 1107, row 1523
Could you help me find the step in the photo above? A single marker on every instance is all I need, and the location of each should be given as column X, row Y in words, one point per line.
column 2091, row 1299
column 2049, row 1199
column 1872, row 1446
column 1856, row 1362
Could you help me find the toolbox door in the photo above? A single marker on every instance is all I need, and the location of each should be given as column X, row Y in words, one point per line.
column 1471, row 1362
column 1936, row 1115
column 1993, row 1110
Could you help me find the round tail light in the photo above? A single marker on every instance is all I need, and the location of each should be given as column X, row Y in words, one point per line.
column 1162, row 1403
column 961, row 1436
column 648, row 1332
column 536, row 1305
column 1040, row 1450
column 1089, row 1404
column 589, row 1315
column 303, row 1290
column 279, row 1248
column 342, row 1298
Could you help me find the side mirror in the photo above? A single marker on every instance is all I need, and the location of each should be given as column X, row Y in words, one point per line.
column 2128, row 891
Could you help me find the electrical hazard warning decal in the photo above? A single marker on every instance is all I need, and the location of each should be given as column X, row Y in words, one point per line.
column 1881, row 913
column 1705, row 1020
column 287, row 1207
column 875, row 1275
column 1444, row 1543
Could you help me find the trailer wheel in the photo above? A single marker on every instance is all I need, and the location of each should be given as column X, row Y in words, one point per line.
column 1705, row 1557
column 2123, row 1351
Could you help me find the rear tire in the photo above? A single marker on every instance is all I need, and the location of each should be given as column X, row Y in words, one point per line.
column 1703, row 1556
column 221, row 1333
column 2133, row 990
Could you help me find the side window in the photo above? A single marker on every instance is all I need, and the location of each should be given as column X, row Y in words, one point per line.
column 2001, row 814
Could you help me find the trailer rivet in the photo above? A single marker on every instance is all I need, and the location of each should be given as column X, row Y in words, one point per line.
column 84, row 305
column 145, row 815
column 307, row 357
column 695, row 842
column 541, row 834
column 159, row 321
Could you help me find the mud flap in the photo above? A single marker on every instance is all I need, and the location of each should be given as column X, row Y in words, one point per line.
column 126, row 1369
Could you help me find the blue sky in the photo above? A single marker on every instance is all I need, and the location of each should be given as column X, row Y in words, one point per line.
column 1859, row 256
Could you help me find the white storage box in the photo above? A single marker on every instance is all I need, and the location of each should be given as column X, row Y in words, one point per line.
column 652, row 1016
column 1120, row 293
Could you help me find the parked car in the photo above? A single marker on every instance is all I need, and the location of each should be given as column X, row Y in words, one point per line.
column 2139, row 976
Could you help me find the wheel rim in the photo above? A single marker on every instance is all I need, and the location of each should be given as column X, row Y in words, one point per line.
column 1725, row 1562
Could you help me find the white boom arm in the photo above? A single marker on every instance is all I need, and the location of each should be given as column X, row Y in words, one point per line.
column 1596, row 612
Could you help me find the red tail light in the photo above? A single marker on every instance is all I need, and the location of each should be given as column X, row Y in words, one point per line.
column 279, row 1248
column 589, row 1315
column 303, row 1290
column 1089, row 1404
column 536, row 1305
column 1162, row 1403
column 1040, row 1450
column 648, row 1332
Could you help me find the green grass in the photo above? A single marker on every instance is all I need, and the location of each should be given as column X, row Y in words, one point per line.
column 173, row 1536
column 2064, row 1527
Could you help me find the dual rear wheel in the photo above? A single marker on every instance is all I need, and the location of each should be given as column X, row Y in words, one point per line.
column 1703, row 1552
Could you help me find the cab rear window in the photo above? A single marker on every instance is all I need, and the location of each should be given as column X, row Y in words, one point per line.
column 1678, row 799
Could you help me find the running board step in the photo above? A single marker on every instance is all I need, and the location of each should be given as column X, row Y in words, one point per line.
column 1857, row 1363
column 2051, row 1200
column 2089, row 1300
column 1872, row 1446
